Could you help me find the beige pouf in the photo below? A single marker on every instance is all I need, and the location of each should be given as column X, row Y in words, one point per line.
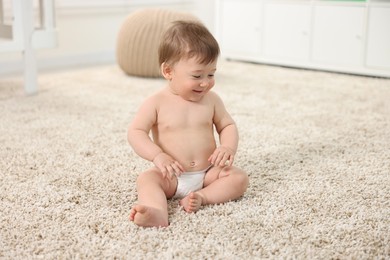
column 138, row 40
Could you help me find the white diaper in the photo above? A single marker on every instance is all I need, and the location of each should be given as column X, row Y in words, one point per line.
column 188, row 182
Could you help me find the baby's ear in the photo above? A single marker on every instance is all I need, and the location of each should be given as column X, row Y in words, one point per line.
column 166, row 71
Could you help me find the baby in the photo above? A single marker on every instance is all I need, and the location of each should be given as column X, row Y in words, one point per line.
column 188, row 165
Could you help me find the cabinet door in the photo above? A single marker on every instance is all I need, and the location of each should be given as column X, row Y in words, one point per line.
column 378, row 44
column 286, row 31
column 239, row 25
column 338, row 35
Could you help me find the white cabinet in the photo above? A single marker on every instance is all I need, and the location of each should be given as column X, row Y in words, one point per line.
column 286, row 31
column 338, row 35
column 343, row 36
column 239, row 28
column 378, row 44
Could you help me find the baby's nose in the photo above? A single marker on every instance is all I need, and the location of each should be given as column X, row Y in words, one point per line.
column 205, row 83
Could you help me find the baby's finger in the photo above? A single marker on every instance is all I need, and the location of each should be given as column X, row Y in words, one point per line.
column 176, row 168
column 224, row 159
column 231, row 159
column 219, row 159
column 164, row 172
column 179, row 165
column 172, row 175
column 212, row 159
column 170, row 171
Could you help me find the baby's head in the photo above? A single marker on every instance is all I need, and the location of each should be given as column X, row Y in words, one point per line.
column 185, row 40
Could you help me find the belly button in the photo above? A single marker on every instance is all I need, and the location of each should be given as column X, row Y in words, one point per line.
column 192, row 164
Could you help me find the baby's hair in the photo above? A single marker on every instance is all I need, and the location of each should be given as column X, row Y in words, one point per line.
column 187, row 39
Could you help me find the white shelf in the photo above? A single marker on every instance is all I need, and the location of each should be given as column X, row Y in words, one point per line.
column 342, row 36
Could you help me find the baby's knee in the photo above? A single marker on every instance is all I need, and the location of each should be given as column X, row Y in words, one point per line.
column 141, row 177
column 148, row 176
column 241, row 179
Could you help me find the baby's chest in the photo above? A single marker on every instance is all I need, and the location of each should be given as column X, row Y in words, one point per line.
column 185, row 117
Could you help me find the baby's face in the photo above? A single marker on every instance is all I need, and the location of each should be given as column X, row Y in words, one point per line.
column 192, row 80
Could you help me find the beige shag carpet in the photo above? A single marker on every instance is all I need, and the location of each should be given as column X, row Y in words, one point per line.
column 316, row 146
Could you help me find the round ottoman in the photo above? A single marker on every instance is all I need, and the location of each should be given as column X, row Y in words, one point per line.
column 139, row 37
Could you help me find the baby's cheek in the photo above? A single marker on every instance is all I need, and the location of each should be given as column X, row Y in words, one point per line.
column 212, row 83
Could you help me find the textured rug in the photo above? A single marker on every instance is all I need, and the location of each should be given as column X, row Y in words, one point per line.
column 316, row 146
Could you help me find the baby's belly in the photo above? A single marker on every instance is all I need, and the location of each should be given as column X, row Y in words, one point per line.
column 192, row 151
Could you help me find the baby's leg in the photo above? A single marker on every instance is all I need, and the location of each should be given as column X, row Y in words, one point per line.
column 223, row 185
column 153, row 190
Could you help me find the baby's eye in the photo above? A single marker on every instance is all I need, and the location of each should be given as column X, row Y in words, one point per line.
column 211, row 75
column 196, row 76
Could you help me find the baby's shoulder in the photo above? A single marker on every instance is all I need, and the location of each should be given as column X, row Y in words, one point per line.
column 155, row 97
column 212, row 94
column 213, row 97
column 150, row 103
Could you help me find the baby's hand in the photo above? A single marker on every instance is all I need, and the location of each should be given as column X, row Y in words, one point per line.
column 167, row 165
column 222, row 156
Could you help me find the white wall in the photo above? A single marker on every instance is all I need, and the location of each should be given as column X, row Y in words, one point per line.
column 205, row 10
column 87, row 31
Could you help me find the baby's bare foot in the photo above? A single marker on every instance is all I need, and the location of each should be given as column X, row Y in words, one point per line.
column 145, row 216
column 192, row 202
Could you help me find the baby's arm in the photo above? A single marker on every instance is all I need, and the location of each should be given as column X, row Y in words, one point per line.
column 139, row 139
column 228, row 135
column 138, row 132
